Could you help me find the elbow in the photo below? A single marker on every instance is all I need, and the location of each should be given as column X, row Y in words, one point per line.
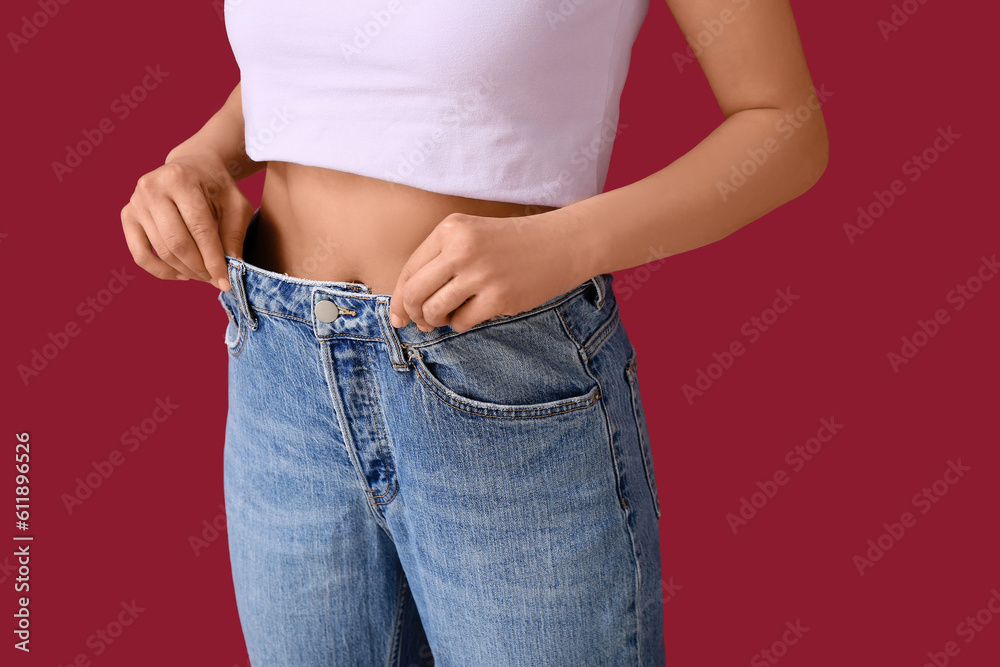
column 821, row 157
column 815, row 153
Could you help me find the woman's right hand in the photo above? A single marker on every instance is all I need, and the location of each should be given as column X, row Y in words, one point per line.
column 191, row 212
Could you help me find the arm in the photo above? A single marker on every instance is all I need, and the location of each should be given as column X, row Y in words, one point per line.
column 757, row 70
column 471, row 268
column 222, row 138
column 190, row 210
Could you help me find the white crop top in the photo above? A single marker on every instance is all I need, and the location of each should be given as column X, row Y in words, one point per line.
column 506, row 100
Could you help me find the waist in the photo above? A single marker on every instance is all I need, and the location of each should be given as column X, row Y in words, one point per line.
column 321, row 224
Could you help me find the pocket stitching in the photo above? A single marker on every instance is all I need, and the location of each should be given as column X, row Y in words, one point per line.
column 485, row 409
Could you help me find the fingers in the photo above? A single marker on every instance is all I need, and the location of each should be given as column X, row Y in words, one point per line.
column 432, row 294
column 175, row 244
column 142, row 251
column 400, row 312
column 201, row 228
column 178, row 219
column 478, row 308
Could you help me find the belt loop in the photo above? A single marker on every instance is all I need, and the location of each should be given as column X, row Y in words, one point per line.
column 397, row 356
column 600, row 288
column 237, row 278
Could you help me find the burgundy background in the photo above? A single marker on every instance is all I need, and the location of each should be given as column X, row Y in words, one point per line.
column 730, row 595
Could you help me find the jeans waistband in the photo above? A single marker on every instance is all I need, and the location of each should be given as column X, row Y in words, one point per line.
column 359, row 313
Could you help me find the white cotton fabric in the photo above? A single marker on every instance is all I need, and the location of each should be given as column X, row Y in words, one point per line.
column 505, row 100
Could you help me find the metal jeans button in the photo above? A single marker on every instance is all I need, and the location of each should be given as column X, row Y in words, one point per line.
column 326, row 311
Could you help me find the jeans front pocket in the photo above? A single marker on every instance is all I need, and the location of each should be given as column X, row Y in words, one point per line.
column 631, row 374
column 522, row 368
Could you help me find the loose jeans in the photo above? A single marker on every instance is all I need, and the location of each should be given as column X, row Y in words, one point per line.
column 396, row 497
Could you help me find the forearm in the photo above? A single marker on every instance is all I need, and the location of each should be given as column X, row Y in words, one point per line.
column 222, row 137
column 701, row 197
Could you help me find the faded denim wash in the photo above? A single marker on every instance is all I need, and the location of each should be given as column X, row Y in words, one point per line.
column 396, row 497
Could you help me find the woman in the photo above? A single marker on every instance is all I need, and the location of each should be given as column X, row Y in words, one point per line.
column 436, row 446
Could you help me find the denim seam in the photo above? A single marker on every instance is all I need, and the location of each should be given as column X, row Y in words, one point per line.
column 273, row 275
column 394, row 485
column 323, row 337
column 368, row 390
column 391, row 337
column 638, row 581
column 609, row 431
column 373, row 297
column 602, row 290
column 243, row 298
column 602, row 334
column 342, row 336
column 647, row 465
column 638, row 593
column 326, row 355
column 372, row 388
column 397, row 629
column 310, row 323
column 569, row 331
column 242, row 339
column 235, row 350
column 284, row 315
column 573, row 404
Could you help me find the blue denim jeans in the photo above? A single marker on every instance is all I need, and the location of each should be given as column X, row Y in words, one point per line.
column 396, row 497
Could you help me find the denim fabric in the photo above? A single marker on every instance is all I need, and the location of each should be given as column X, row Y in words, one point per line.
column 399, row 497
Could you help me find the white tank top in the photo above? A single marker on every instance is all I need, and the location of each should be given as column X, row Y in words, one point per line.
column 506, row 100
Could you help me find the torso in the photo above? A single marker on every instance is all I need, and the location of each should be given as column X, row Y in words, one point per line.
column 322, row 224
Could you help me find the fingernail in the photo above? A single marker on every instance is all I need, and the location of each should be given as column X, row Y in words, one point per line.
column 223, row 284
column 395, row 320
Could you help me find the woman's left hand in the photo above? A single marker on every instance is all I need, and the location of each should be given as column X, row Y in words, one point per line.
column 471, row 268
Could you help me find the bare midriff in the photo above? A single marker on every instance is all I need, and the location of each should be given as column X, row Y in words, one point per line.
column 322, row 224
